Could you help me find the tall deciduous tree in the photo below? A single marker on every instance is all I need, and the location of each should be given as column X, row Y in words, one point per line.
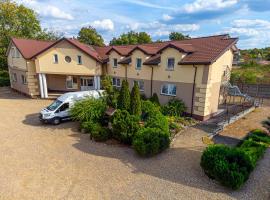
column 131, row 38
column 124, row 97
column 178, row 36
column 135, row 101
column 90, row 36
column 15, row 21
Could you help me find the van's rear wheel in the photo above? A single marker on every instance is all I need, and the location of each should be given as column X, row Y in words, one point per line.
column 56, row 121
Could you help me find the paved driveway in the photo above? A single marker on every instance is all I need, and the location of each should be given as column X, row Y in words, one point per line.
column 57, row 162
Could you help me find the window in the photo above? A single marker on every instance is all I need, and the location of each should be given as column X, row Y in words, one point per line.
column 116, row 82
column 55, row 58
column 24, row 80
column 15, row 53
column 138, row 63
column 14, row 77
column 168, row 89
column 71, row 82
column 140, row 84
column 68, row 59
column 170, row 64
column 79, row 60
column 64, row 107
column 115, row 62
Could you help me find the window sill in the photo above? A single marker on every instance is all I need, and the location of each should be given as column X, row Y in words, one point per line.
column 169, row 69
column 171, row 95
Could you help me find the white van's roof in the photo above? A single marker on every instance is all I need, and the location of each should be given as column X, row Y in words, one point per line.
column 80, row 95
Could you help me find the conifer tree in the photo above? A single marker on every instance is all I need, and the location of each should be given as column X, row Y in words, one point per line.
column 124, row 97
column 135, row 101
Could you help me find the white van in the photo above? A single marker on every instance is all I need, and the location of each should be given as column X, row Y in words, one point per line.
column 59, row 110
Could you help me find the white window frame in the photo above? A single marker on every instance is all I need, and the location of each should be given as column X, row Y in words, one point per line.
column 113, row 63
column 140, row 83
column 136, row 66
column 170, row 88
column 74, row 85
column 55, row 58
column 169, row 68
column 117, row 82
column 79, row 57
column 24, row 81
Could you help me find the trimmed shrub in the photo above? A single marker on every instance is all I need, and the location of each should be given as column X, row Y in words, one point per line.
column 230, row 166
column 175, row 107
column 155, row 99
column 150, row 141
column 135, row 103
column 89, row 109
column 124, row 97
column 157, row 120
column 259, row 136
column 254, row 150
column 124, row 126
column 96, row 131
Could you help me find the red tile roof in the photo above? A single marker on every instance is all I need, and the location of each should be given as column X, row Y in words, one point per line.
column 203, row 50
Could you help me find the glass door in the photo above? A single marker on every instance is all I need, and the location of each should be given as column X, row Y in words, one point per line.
column 87, row 83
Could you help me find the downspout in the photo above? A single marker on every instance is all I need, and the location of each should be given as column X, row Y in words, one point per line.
column 193, row 90
column 152, row 72
column 126, row 72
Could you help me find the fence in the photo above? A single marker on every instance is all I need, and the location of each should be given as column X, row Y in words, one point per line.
column 255, row 90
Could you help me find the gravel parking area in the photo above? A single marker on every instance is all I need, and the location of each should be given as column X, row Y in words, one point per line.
column 57, row 162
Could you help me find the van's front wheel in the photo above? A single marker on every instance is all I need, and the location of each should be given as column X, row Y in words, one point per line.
column 56, row 121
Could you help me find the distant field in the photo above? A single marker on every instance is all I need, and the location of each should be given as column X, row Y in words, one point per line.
column 251, row 73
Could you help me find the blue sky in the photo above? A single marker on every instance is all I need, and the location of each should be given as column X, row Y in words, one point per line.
column 247, row 19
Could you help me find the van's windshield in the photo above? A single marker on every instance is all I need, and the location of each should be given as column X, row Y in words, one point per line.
column 54, row 105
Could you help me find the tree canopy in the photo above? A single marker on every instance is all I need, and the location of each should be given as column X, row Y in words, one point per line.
column 18, row 21
column 131, row 38
column 90, row 36
column 178, row 36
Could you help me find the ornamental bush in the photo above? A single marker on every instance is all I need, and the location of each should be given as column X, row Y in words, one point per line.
column 89, row 109
column 124, row 97
column 266, row 124
column 175, row 107
column 155, row 99
column 135, row 103
column 97, row 132
column 259, row 136
column 150, row 141
column 124, row 126
column 230, row 166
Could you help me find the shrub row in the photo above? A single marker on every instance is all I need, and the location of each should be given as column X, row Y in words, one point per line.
column 232, row 166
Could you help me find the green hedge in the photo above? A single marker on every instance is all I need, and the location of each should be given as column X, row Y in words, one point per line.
column 124, row 126
column 232, row 166
column 97, row 132
column 151, row 141
column 175, row 107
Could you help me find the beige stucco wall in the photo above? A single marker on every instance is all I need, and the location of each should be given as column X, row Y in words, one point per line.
column 207, row 93
column 19, row 63
column 118, row 71
column 44, row 62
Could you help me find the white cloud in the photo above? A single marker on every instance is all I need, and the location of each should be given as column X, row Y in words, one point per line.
column 46, row 10
column 101, row 25
column 150, row 5
column 160, row 29
column 203, row 5
column 251, row 23
column 166, row 17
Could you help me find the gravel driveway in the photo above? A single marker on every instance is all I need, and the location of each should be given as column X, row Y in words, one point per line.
column 57, row 162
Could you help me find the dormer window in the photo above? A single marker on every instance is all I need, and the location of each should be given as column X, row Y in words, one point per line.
column 115, row 62
column 55, row 58
column 138, row 63
column 170, row 64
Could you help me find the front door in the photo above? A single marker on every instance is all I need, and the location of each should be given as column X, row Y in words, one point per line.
column 87, row 83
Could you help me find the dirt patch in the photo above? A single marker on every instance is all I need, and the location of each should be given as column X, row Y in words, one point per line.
column 251, row 121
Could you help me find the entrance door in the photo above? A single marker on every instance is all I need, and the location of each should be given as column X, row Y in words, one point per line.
column 87, row 83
